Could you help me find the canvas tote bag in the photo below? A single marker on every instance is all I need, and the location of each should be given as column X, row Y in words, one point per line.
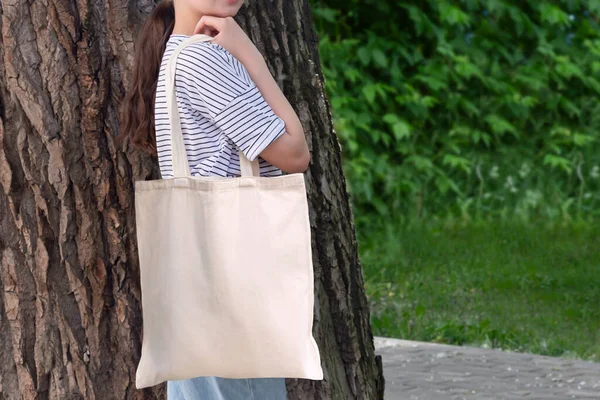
column 226, row 271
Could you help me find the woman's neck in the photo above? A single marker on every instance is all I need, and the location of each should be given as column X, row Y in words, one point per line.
column 185, row 19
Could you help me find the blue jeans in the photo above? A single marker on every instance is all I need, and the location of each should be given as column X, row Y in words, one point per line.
column 216, row 388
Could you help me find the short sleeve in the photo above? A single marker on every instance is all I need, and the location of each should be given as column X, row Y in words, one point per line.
column 222, row 90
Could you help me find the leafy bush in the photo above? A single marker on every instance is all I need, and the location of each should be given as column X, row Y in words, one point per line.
column 470, row 107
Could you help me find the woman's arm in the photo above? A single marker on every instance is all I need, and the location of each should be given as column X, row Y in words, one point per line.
column 289, row 152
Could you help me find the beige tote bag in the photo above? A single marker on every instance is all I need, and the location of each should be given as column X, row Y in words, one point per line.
column 226, row 271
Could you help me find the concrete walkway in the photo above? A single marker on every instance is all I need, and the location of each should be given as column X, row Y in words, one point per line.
column 428, row 371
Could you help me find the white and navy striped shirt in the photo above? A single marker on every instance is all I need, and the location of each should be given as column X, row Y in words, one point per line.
column 220, row 108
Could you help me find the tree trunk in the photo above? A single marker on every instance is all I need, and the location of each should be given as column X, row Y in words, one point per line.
column 70, row 320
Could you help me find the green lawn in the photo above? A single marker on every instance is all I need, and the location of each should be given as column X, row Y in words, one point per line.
column 507, row 285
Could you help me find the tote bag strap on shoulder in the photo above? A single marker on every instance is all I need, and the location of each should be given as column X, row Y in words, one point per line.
column 181, row 166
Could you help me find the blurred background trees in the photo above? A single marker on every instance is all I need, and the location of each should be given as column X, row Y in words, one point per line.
column 470, row 140
column 470, row 108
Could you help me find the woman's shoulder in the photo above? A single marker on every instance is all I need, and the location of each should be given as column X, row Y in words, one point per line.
column 211, row 58
column 205, row 51
column 210, row 74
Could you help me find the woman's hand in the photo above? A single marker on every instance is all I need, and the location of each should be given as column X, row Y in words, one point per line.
column 228, row 34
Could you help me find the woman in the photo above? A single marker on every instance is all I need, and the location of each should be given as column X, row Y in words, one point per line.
column 227, row 100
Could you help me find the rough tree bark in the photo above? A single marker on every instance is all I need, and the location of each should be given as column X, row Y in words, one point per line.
column 70, row 322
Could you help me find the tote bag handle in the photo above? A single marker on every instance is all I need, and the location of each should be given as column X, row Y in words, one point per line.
column 181, row 167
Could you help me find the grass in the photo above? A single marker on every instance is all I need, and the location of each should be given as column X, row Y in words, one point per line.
column 510, row 285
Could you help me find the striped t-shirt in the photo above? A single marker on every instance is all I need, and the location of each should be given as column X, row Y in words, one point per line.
column 220, row 108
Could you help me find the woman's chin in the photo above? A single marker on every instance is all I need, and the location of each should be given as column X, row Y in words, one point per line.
column 223, row 8
column 229, row 8
column 227, row 12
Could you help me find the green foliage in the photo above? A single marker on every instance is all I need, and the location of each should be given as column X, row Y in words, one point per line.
column 467, row 107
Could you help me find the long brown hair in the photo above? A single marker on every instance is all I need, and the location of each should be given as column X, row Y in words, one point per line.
column 137, row 108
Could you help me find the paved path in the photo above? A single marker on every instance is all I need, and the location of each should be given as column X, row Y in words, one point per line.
column 427, row 371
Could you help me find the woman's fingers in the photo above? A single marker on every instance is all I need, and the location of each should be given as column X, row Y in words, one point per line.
column 225, row 32
column 209, row 25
